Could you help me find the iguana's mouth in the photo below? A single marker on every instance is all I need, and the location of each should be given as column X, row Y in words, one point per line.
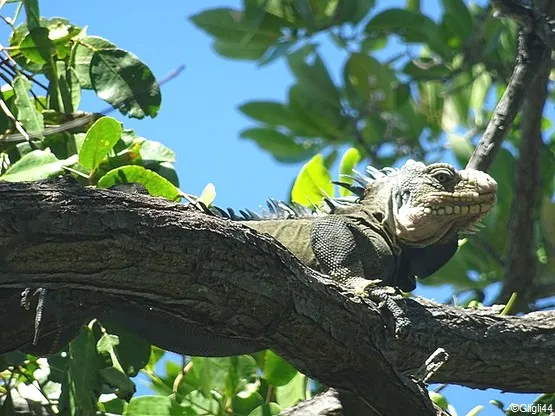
column 438, row 214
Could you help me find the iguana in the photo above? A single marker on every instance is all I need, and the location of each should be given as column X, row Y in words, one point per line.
column 401, row 224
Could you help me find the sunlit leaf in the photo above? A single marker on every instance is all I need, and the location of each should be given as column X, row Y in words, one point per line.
column 36, row 165
column 100, row 139
column 155, row 184
column 313, row 183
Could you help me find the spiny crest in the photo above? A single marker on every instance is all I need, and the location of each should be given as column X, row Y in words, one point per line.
column 283, row 210
column 361, row 181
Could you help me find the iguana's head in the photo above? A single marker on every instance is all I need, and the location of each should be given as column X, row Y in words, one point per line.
column 424, row 204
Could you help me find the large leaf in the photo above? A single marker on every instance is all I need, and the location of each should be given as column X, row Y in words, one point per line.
column 314, row 79
column 83, row 52
column 313, row 183
column 293, row 392
column 411, row 26
column 368, row 81
column 348, row 162
column 318, row 119
column 133, row 352
column 228, row 375
column 155, row 184
column 120, row 78
column 154, row 406
column 36, row 165
column 100, row 139
column 28, row 115
column 230, row 25
column 250, row 50
column 269, row 112
column 277, row 371
column 283, row 147
column 32, row 12
column 65, row 94
column 459, row 19
column 354, row 11
column 83, row 382
column 37, row 46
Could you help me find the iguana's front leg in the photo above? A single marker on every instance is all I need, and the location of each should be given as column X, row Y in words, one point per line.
column 359, row 258
column 339, row 254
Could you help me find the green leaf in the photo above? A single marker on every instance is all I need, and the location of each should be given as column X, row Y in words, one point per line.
column 368, row 81
column 426, row 70
column 354, row 11
column 83, row 52
column 82, row 387
column 100, row 139
column 247, row 400
column 32, row 12
column 120, row 78
column 249, row 51
column 155, row 184
column 230, row 25
column 278, row 371
column 480, row 89
column 115, row 378
column 348, row 162
column 133, row 352
column 156, row 151
column 208, row 194
column 313, row 183
column 438, row 399
column 37, row 46
column 411, row 26
column 432, row 106
column 318, row 119
column 36, row 165
column 461, row 146
column 28, row 115
column 314, row 79
column 267, row 409
column 228, row 375
column 153, row 406
column 269, row 112
column 282, row 147
column 293, row 392
column 65, row 94
column 461, row 21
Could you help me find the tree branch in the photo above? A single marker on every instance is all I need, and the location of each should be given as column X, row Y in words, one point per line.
column 92, row 248
column 531, row 53
column 521, row 265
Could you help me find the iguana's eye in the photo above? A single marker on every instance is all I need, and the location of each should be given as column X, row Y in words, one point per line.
column 443, row 175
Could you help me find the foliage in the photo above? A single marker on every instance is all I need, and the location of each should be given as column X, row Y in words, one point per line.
column 411, row 85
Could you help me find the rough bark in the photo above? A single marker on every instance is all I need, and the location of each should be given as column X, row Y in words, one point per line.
column 89, row 247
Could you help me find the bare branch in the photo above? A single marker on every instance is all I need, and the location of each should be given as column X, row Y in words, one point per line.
column 92, row 249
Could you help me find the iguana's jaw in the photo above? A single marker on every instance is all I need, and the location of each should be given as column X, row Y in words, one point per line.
column 427, row 217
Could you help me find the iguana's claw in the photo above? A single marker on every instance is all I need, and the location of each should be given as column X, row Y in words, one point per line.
column 364, row 286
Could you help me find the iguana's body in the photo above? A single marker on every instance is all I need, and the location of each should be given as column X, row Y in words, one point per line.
column 404, row 224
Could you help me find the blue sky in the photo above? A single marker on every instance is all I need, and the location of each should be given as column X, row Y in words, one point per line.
column 199, row 117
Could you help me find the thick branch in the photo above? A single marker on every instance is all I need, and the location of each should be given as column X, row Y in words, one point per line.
column 89, row 247
column 531, row 53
